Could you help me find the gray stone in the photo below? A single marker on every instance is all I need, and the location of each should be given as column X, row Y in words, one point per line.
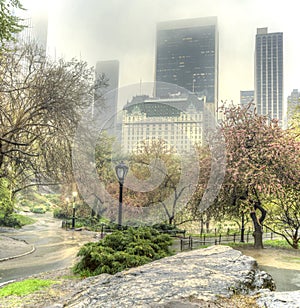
column 199, row 275
column 279, row 299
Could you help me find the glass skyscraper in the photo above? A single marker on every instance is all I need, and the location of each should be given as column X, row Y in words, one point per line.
column 269, row 74
column 187, row 55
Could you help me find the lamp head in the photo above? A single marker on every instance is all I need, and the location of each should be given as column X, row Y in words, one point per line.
column 121, row 171
column 74, row 194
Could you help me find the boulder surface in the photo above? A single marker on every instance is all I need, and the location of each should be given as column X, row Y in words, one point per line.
column 182, row 279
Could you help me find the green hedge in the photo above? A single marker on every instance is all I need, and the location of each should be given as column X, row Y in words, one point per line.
column 122, row 250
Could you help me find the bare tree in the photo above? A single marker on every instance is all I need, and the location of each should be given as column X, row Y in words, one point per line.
column 284, row 216
column 41, row 103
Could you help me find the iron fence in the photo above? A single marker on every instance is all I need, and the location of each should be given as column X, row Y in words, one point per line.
column 191, row 242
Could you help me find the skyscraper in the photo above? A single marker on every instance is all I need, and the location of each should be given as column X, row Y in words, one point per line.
column 246, row 97
column 187, row 55
column 269, row 74
column 110, row 69
column 36, row 27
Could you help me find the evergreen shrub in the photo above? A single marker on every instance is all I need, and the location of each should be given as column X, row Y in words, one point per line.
column 122, row 250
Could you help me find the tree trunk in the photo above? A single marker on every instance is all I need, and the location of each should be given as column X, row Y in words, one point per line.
column 201, row 226
column 295, row 243
column 258, row 232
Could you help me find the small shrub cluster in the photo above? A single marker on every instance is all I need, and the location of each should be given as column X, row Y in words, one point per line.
column 10, row 221
column 164, row 227
column 122, row 250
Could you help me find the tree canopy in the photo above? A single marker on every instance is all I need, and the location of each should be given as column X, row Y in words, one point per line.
column 10, row 24
column 262, row 159
column 41, row 102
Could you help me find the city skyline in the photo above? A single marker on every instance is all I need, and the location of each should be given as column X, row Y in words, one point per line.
column 125, row 30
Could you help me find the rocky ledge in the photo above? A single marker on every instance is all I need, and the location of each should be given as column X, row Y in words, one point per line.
column 183, row 280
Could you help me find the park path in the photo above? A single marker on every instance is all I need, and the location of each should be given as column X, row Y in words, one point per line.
column 54, row 248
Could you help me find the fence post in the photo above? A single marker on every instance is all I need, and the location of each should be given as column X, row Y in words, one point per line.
column 190, row 242
column 234, row 235
column 220, row 239
column 271, row 235
column 248, row 237
column 204, row 239
column 181, row 244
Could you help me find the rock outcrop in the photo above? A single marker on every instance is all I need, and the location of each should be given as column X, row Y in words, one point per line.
column 203, row 274
column 279, row 299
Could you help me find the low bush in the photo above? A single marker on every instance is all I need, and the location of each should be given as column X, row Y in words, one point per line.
column 10, row 221
column 122, row 250
column 164, row 227
column 38, row 210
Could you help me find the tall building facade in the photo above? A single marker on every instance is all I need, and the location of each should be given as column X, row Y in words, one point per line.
column 110, row 70
column 187, row 55
column 246, row 97
column 175, row 120
column 269, row 74
column 36, row 27
column 293, row 103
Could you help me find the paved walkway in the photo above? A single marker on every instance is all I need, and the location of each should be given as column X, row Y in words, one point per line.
column 12, row 248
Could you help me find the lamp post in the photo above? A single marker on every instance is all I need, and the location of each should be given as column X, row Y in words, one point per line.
column 243, row 228
column 121, row 171
column 74, row 194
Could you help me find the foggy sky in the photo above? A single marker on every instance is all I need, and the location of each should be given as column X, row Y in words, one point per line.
column 96, row 30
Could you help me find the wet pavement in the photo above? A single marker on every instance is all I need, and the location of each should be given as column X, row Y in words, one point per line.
column 55, row 248
column 285, row 279
column 282, row 264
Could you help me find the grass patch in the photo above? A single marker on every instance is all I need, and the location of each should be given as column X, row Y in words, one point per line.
column 282, row 244
column 277, row 244
column 25, row 287
column 24, row 220
column 239, row 245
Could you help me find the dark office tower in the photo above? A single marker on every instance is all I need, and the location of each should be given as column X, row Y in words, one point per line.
column 269, row 74
column 187, row 55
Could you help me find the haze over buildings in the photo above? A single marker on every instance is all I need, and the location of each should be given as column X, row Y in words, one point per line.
column 125, row 30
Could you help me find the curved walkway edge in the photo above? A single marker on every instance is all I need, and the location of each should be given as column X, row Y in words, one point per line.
column 12, row 248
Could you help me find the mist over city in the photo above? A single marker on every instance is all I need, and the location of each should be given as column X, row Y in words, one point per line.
column 126, row 31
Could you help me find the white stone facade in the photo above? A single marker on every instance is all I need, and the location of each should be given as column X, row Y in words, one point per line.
column 181, row 131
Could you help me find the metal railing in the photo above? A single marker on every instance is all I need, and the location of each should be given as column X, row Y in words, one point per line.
column 190, row 242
